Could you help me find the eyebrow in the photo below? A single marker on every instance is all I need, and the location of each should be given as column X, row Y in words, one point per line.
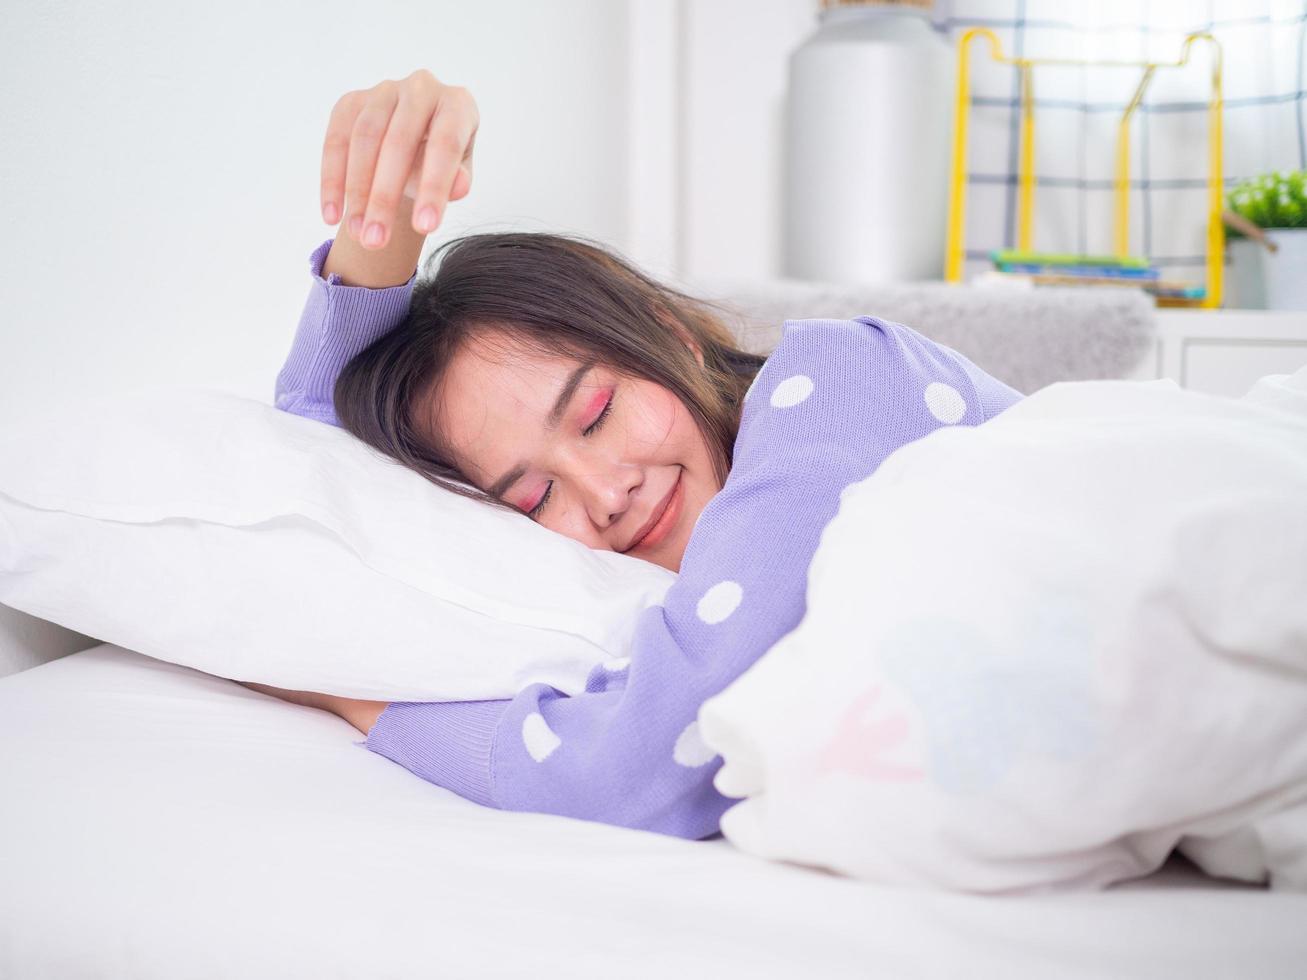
column 555, row 416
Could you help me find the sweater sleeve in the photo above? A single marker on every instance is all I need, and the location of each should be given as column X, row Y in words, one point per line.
column 992, row 394
column 338, row 321
column 832, row 402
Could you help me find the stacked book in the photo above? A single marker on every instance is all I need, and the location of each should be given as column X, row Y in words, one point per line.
column 1056, row 269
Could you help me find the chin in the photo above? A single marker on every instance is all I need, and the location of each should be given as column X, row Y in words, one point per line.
column 671, row 564
column 671, row 561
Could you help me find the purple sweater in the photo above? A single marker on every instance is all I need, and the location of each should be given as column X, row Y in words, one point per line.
column 834, row 399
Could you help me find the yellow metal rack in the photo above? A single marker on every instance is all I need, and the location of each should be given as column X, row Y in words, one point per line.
column 1026, row 166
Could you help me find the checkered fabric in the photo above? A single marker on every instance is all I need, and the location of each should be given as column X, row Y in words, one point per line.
column 1264, row 43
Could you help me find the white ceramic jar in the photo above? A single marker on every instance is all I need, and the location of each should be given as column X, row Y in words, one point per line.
column 867, row 135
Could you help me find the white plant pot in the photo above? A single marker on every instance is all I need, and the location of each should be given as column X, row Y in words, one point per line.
column 1261, row 281
column 1284, row 274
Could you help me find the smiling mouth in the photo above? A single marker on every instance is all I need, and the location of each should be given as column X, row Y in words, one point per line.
column 663, row 519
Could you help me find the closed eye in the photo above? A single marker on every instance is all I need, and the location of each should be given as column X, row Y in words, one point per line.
column 594, row 426
column 534, row 512
column 589, row 430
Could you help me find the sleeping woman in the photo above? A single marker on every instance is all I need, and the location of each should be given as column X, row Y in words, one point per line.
column 546, row 375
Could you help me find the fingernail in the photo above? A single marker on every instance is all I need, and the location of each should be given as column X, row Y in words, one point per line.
column 372, row 237
column 355, row 226
column 330, row 213
column 427, row 219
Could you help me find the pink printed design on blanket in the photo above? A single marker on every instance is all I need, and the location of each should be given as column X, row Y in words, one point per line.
column 986, row 710
column 863, row 739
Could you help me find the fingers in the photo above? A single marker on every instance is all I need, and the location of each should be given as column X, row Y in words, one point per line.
column 447, row 158
column 463, row 179
column 335, row 153
column 462, row 184
column 399, row 149
column 364, row 146
column 412, row 137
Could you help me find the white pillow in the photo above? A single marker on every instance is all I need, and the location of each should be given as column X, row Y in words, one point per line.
column 220, row 533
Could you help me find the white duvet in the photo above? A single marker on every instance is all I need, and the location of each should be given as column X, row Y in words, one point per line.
column 1043, row 652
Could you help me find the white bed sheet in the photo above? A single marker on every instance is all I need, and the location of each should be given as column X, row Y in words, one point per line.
column 157, row 822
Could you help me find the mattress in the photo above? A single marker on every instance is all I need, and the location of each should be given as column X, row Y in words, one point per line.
column 157, row 822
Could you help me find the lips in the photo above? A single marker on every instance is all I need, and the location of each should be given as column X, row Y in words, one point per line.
column 655, row 516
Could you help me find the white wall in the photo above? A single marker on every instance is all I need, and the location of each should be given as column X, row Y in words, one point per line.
column 159, row 166
column 734, row 61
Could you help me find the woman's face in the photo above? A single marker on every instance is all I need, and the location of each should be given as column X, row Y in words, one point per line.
column 616, row 463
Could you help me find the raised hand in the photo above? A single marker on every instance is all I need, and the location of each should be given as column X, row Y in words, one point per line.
column 401, row 150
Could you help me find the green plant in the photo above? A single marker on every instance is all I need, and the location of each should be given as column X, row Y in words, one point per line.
column 1274, row 200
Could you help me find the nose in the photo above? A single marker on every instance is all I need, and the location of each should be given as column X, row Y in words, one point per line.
column 605, row 486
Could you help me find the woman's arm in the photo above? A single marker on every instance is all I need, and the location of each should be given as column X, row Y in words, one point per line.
column 395, row 186
column 392, row 264
column 361, row 714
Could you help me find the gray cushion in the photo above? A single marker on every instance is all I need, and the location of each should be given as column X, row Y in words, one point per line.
column 1027, row 338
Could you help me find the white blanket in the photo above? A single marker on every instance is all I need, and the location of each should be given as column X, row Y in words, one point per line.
column 1043, row 652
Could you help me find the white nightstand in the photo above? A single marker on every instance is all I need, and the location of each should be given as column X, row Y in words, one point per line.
column 1224, row 351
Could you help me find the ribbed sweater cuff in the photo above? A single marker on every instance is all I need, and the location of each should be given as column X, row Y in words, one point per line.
column 369, row 313
column 449, row 743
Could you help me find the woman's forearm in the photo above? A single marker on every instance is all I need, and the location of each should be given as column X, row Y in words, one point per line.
column 359, row 713
column 391, row 265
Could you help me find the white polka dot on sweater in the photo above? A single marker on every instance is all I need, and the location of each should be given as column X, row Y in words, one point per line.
column 944, row 402
column 791, row 391
column 690, row 750
column 538, row 737
column 720, row 601
column 617, row 664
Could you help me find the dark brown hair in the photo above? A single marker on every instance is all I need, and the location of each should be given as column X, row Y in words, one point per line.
column 558, row 295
